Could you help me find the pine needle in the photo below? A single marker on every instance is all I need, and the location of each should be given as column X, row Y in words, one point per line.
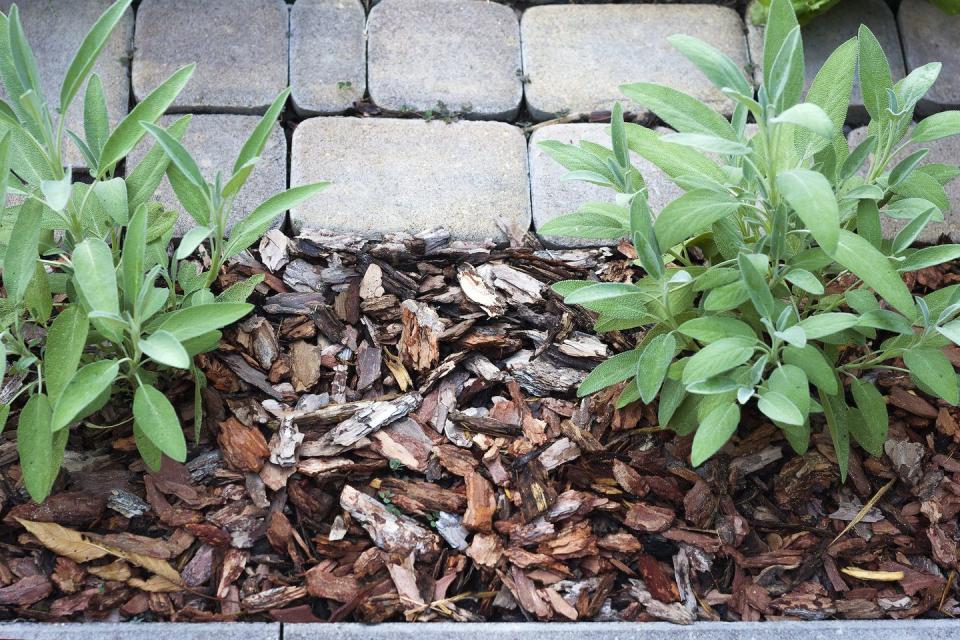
column 864, row 510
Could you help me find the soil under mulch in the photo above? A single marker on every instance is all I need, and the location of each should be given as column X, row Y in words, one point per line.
column 395, row 435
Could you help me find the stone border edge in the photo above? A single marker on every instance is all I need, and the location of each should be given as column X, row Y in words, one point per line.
column 781, row 630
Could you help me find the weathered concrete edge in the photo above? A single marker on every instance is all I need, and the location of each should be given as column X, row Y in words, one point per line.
column 141, row 630
column 786, row 630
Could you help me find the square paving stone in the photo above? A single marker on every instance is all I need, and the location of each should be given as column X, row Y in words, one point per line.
column 456, row 55
column 214, row 140
column 551, row 196
column 240, row 47
column 930, row 35
column 576, row 56
column 825, row 33
column 392, row 175
column 328, row 55
column 55, row 30
column 945, row 150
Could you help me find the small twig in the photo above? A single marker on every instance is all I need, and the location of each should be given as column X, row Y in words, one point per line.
column 864, row 510
column 946, row 590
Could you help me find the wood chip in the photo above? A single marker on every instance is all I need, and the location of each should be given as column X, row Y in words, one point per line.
column 392, row 533
column 244, row 448
column 481, row 503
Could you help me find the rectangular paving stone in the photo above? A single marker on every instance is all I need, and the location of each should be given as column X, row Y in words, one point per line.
column 214, row 140
column 930, row 35
column 457, row 55
column 945, row 629
column 141, row 630
column 575, row 56
column 919, row 629
column 827, row 32
column 55, row 30
column 392, row 175
column 551, row 196
column 240, row 47
column 328, row 55
column 945, row 150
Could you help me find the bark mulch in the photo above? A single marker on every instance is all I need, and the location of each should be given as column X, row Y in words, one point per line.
column 395, row 435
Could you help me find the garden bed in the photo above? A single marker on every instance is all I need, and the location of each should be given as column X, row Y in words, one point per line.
column 394, row 434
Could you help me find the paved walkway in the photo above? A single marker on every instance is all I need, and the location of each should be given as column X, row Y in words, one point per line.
column 491, row 67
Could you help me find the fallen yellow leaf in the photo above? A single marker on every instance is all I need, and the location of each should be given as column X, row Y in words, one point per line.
column 72, row 544
column 156, row 584
column 62, row 541
column 399, row 371
column 160, row 567
column 865, row 574
column 117, row 570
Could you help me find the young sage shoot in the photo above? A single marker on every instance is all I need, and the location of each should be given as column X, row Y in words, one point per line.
column 96, row 310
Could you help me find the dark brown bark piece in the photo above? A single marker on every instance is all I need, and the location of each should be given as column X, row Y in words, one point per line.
column 481, row 503
column 26, row 591
column 244, row 448
column 648, row 518
column 911, row 403
column 70, row 509
column 660, row 586
column 325, row 584
column 537, row 493
column 420, row 342
column 427, row 495
column 629, row 480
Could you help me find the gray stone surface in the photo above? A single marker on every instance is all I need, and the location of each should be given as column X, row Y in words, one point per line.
column 214, row 140
column 461, row 55
column 827, row 32
column 782, row 630
column 55, row 30
column 141, row 631
column 945, row 629
column 411, row 175
column 930, row 35
column 575, row 56
column 551, row 196
column 240, row 47
column 946, row 150
column 328, row 55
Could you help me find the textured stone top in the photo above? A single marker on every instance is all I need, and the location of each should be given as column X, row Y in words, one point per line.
column 456, row 55
column 576, row 56
column 240, row 47
column 411, row 175
column 328, row 55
